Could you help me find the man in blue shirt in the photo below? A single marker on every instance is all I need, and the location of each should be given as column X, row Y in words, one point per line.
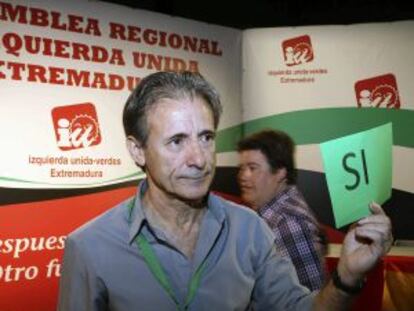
column 175, row 246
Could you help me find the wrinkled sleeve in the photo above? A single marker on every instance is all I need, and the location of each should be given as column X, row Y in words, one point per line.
column 80, row 288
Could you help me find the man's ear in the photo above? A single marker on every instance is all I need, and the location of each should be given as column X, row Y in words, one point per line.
column 281, row 174
column 136, row 151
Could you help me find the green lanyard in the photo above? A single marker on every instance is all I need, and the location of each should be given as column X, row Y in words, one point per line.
column 158, row 272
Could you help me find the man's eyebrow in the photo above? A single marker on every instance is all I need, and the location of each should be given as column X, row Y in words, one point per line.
column 252, row 163
column 211, row 132
column 176, row 136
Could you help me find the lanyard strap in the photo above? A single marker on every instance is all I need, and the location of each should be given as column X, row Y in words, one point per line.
column 158, row 272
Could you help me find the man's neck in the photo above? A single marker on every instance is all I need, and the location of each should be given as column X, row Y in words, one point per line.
column 257, row 206
column 179, row 220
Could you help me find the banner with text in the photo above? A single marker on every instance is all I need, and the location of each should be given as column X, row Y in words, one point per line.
column 66, row 70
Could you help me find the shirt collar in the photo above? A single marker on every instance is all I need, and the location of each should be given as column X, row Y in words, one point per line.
column 215, row 207
column 137, row 218
column 136, row 215
column 271, row 204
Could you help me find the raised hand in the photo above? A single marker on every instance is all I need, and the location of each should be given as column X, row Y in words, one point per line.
column 365, row 243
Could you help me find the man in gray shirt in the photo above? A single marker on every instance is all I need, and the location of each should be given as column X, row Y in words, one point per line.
column 175, row 246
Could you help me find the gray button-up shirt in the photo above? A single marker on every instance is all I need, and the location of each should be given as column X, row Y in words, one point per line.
column 104, row 270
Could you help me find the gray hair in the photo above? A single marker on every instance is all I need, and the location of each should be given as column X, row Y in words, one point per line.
column 163, row 85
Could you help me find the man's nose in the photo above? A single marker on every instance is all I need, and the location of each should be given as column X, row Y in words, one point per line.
column 242, row 174
column 196, row 155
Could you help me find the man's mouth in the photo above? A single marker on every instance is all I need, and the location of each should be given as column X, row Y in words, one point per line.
column 246, row 188
column 196, row 177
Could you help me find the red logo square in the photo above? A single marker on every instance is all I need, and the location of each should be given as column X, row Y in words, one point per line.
column 380, row 91
column 297, row 50
column 76, row 126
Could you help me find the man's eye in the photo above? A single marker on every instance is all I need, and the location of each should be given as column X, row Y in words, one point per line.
column 176, row 141
column 207, row 137
column 252, row 168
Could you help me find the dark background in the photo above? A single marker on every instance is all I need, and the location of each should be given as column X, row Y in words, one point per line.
column 276, row 13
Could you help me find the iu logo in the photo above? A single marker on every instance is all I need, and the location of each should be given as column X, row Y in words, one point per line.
column 380, row 91
column 297, row 50
column 76, row 126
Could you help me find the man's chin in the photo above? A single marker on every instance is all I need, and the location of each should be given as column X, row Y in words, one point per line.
column 248, row 200
column 198, row 194
column 192, row 193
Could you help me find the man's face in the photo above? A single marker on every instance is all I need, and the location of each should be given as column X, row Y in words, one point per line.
column 179, row 156
column 258, row 185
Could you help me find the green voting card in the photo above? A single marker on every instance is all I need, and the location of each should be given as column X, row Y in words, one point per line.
column 358, row 170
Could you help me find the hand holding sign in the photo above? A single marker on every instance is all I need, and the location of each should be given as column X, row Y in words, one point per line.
column 358, row 170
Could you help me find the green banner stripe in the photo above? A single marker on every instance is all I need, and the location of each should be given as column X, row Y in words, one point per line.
column 227, row 139
column 319, row 125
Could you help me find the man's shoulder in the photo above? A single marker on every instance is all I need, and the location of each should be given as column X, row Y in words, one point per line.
column 293, row 204
column 293, row 211
column 232, row 209
column 106, row 223
column 241, row 218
